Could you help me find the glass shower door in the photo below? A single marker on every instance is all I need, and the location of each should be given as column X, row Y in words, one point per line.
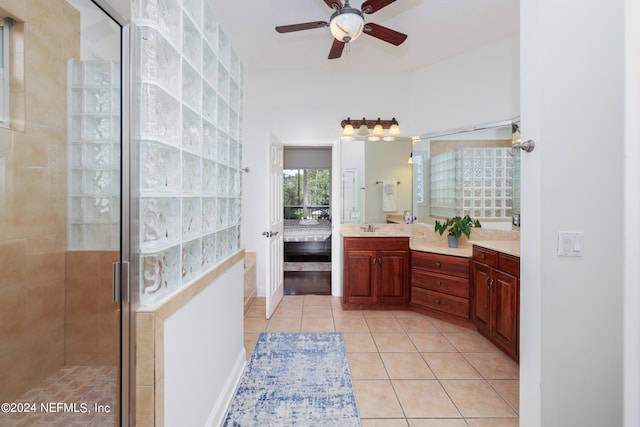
column 61, row 330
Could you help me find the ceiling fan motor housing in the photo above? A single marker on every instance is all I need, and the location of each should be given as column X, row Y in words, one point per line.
column 346, row 24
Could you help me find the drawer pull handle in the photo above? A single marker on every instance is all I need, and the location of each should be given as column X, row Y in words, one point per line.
column 438, row 265
column 438, row 283
column 437, row 302
column 483, row 256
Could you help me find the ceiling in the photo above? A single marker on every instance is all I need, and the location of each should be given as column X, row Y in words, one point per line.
column 437, row 29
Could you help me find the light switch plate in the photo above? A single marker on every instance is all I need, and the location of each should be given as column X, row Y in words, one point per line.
column 570, row 243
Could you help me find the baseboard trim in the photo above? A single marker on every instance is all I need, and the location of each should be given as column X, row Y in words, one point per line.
column 217, row 414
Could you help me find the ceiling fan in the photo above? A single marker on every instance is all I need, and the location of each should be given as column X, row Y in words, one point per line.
column 347, row 23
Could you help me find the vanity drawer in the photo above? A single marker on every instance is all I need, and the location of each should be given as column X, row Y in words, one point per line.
column 509, row 264
column 485, row 256
column 443, row 264
column 450, row 285
column 437, row 301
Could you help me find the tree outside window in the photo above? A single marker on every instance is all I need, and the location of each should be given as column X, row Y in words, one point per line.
column 306, row 193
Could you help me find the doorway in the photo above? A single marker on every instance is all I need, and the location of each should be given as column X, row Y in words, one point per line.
column 60, row 214
column 307, row 220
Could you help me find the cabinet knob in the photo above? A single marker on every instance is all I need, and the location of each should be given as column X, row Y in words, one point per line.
column 483, row 256
column 437, row 302
column 438, row 283
column 438, row 265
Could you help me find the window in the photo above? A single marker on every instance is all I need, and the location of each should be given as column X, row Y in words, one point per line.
column 4, row 72
column 306, row 193
column 418, row 164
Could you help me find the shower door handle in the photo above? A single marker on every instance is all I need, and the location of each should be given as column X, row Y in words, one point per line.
column 120, row 281
column 115, row 282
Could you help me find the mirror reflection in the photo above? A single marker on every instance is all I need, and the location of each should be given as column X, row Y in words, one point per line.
column 376, row 180
column 472, row 171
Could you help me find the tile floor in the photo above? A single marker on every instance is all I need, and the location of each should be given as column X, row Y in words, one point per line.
column 71, row 385
column 408, row 370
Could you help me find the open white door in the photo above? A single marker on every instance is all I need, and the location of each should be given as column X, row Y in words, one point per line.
column 275, row 275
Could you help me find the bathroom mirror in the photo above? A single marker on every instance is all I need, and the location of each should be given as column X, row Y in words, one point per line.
column 376, row 180
column 468, row 171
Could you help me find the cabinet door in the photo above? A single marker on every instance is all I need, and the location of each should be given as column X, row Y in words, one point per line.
column 481, row 306
column 358, row 276
column 394, row 276
column 505, row 329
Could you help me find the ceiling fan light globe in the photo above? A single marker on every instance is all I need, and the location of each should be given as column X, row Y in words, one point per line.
column 346, row 25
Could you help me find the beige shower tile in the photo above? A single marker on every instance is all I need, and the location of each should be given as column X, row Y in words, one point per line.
column 376, row 399
column 12, row 263
column 424, row 399
column 366, row 366
column 145, row 407
column 406, row 366
column 476, row 398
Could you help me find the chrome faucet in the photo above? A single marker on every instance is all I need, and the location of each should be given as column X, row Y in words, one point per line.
column 368, row 229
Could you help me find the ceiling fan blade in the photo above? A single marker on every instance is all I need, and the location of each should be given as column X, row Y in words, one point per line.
column 386, row 34
column 336, row 49
column 371, row 6
column 330, row 3
column 302, row 26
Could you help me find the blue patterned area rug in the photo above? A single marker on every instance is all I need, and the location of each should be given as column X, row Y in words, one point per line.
column 296, row 379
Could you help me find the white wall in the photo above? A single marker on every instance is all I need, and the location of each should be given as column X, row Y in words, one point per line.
column 571, row 318
column 480, row 86
column 204, row 353
column 308, row 106
column 632, row 213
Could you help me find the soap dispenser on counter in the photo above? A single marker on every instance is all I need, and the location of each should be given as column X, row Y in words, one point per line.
column 408, row 219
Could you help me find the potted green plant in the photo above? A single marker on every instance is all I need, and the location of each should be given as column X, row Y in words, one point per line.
column 456, row 227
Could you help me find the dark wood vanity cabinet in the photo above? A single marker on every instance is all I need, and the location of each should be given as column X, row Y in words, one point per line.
column 495, row 279
column 440, row 285
column 376, row 272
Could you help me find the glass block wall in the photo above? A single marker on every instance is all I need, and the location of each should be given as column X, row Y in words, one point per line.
column 189, row 90
column 472, row 181
column 94, row 138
